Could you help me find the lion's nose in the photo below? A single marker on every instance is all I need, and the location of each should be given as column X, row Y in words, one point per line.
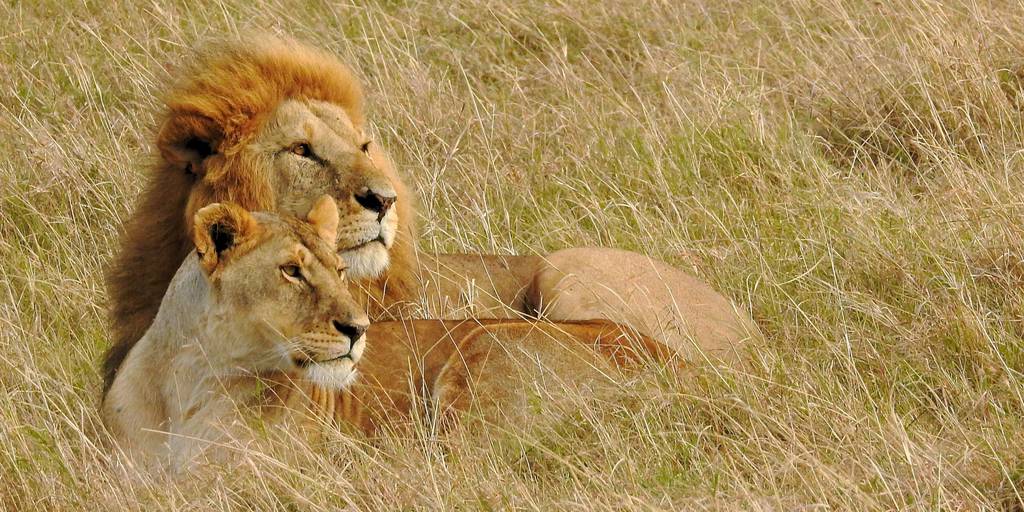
column 376, row 201
column 353, row 331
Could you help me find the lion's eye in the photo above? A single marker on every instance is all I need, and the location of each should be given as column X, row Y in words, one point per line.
column 302, row 149
column 292, row 272
column 365, row 147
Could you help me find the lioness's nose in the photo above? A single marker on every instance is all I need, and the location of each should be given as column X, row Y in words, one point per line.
column 353, row 331
column 376, row 201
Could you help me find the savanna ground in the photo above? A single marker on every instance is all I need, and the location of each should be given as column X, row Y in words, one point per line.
column 849, row 171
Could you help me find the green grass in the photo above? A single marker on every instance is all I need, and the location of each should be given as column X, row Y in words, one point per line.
column 850, row 172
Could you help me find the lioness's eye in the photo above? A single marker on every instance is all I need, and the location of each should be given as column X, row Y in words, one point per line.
column 291, row 271
column 365, row 147
column 302, row 149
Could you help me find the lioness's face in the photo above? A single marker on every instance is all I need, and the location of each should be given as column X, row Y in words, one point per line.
column 280, row 286
column 312, row 148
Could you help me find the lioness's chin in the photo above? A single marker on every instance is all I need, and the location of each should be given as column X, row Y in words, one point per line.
column 366, row 262
column 332, row 374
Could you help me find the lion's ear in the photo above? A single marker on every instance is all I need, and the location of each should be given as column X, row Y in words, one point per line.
column 186, row 141
column 324, row 217
column 217, row 229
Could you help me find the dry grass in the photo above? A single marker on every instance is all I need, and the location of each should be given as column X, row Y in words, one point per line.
column 848, row 170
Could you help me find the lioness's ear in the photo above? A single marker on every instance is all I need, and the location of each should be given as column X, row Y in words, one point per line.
column 324, row 217
column 186, row 141
column 217, row 229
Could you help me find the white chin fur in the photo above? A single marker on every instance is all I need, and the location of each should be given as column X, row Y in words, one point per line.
column 335, row 375
column 366, row 262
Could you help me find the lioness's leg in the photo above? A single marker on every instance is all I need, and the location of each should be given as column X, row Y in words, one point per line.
column 663, row 302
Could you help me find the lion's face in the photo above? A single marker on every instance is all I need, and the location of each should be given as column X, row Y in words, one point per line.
column 279, row 292
column 313, row 148
column 305, row 149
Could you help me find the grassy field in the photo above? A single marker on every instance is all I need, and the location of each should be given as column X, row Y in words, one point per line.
column 849, row 171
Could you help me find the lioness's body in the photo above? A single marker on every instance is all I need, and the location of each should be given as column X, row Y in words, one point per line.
column 174, row 398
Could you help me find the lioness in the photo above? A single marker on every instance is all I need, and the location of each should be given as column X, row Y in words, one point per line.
column 259, row 317
column 262, row 297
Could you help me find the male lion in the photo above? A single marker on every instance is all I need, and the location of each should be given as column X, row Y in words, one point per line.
column 272, row 124
column 262, row 297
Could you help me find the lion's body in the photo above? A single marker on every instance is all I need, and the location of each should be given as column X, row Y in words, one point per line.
column 650, row 296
